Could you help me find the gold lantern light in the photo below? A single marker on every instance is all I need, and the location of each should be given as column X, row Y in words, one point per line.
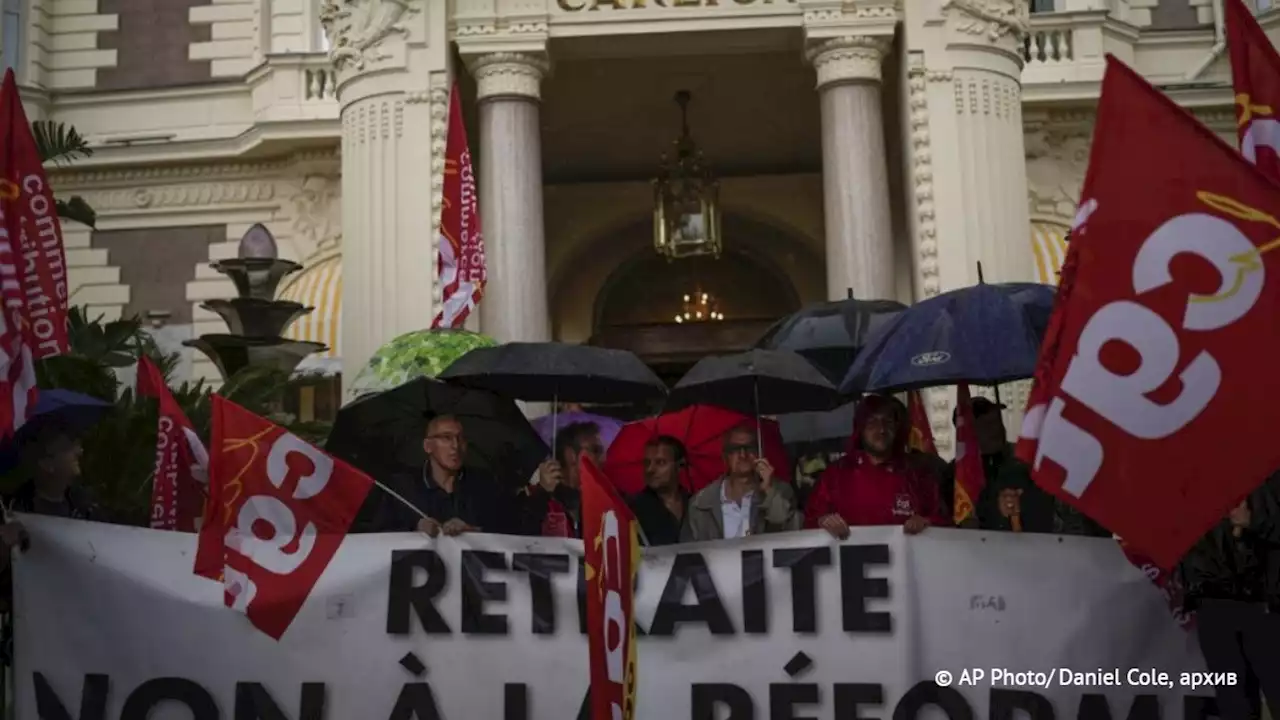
column 686, row 208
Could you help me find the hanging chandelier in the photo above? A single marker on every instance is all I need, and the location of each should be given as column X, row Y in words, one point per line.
column 699, row 307
column 686, row 208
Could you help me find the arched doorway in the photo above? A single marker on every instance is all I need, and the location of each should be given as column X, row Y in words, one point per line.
column 637, row 308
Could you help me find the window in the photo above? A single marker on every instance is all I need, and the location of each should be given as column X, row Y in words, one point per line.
column 1042, row 6
column 11, row 33
column 1264, row 5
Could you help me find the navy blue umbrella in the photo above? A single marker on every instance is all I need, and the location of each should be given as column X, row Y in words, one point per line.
column 980, row 335
column 74, row 412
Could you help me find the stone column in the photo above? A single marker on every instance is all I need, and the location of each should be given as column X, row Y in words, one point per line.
column 966, row 103
column 854, row 173
column 514, row 307
column 392, row 62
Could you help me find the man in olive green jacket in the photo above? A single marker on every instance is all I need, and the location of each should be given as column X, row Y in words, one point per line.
column 745, row 501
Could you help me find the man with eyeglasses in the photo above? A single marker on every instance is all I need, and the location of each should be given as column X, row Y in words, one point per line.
column 746, row 500
column 453, row 500
column 873, row 484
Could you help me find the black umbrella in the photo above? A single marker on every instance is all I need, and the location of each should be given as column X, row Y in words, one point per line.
column 830, row 334
column 832, row 427
column 384, row 431
column 557, row 372
column 756, row 382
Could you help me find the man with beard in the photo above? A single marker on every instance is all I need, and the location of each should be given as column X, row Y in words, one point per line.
column 873, row 484
column 660, row 507
column 553, row 507
column 747, row 500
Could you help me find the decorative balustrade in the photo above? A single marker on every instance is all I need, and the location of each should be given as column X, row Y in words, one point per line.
column 295, row 86
column 1048, row 45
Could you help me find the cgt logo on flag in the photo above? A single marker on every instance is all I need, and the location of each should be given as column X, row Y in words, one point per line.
column 1159, row 344
column 278, row 510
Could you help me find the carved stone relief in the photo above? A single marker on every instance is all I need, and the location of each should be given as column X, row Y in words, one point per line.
column 992, row 19
column 357, row 28
column 317, row 215
column 1056, row 165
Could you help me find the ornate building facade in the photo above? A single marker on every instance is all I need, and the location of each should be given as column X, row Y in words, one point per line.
column 882, row 148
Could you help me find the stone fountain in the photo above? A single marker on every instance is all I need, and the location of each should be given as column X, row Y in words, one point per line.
column 255, row 319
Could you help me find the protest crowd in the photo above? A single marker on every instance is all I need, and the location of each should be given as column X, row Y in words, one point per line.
column 711, row 461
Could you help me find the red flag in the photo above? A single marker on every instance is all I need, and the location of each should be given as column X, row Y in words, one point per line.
column 31, row 216
column 613, row 557
column 970, row 477
column 1255, row 73
column 461, row 260
column 182, row 464
column 921, row 438
column 1168, row 583
column 1163, row 332
column 278, row 510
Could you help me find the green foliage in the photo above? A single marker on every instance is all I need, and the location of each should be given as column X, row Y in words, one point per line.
column 60, row 144
column 420, row 353
column 119, row 452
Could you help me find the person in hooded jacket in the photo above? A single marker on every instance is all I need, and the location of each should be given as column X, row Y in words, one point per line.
column 874, row 484
column 1231, row 579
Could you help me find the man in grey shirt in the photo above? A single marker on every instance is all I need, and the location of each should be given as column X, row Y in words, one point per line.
column 746, row 500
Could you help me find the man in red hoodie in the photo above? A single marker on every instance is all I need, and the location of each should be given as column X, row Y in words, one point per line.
column 874, row 484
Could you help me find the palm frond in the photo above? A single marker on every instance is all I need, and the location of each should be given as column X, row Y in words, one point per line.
column 76, row 209
column 59, row 143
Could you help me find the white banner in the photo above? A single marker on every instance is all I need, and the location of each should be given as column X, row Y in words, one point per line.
column 112, row 625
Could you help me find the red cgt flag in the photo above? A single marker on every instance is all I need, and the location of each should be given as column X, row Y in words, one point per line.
column 182, row 464
column 970, row 477
column 613, row 557
column 921, row 438
column 1255, row 73
column 31, row 217
column 1164, row 331
column 461, row 260
column 278, row 509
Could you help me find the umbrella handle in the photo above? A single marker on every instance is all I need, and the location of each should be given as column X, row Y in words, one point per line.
column 755, row 392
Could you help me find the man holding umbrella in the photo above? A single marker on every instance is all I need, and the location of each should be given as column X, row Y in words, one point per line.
column 746, row 501
column 553, row 506
column 873, row 484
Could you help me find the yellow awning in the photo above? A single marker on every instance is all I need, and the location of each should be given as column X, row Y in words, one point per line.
column 318, row 285
column 1049, row 247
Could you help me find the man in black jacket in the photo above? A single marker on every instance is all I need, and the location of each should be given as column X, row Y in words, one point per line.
column 660, row 507
column 1009, row 500
column 1232, row 582
column 454, row 500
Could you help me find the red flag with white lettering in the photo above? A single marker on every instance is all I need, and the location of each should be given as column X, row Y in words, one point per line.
column 32, row 219
column 278, row 509
column 1161, row 345
column 612, row 553
column 182, row 464
column 461, row 261
column 1255, row 73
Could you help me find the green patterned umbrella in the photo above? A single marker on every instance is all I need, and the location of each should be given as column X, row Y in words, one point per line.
column 421, row 353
